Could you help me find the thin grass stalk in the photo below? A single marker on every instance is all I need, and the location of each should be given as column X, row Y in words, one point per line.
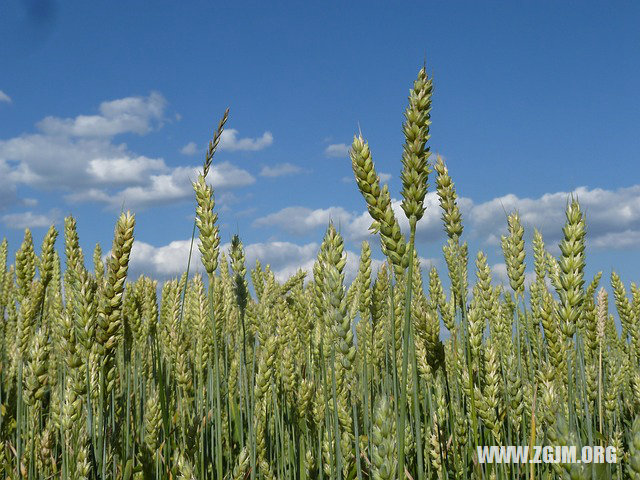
column 417, row 427
column 394, row 355
column 405, row 354
column 216, row 367
column 357, row 439
column 336, row 423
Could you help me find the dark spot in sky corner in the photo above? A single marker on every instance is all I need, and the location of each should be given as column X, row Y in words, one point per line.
column 41, row 13
column 34, row 24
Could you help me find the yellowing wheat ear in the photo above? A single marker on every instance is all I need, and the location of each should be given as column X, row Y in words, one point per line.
column 206, row 221
column 379, row 205
column 109, row 321
column 415, row 155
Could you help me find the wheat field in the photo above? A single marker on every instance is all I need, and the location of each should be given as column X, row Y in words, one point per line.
column 234, row 375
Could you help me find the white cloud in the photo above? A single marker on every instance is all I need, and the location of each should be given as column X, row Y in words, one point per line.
column 280, row 170
column 429, row 228
column 4, row 97
column 301, row 220
column 613, row 216
column 161, row 189
column 73, row 153
column 189, row 149
column 353, row 225
column 169, row 260
column 123, row 170
column 165, row 261
column 167, row 188
column 618, row 240
column 229, row 141
column 125, row 115
column 29, row 219
column 227, row 175
column 94, row 195
column 283, row 258
column 337, row 150
column 78, row 157
column 50, row 163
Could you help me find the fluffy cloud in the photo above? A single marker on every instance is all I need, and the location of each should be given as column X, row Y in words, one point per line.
column 47, row 162
column 167, row 188
column 189, row 149
column 284, row 259
column 79, row 152
column 78, row 156
column 4, row 97
column 229, row 141
column 353, row 225
column 226, row 175
column 30, row 219
column 177, row 185
column 123, row 170
column 131, row 114
column 617, row 240
column 165, row 261
column 613, row 218
column 301, row 220
column 280, row 170
column 337, row 150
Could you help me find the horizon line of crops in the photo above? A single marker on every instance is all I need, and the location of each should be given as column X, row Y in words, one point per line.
column 103, row 378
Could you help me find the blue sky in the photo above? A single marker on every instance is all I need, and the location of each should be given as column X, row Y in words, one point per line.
column 111, row 104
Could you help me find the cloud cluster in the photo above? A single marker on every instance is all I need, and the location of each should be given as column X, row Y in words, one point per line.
column 229, row 141
column 337, row 150
column 189, row 149
column 170, row 260
column 280, row 170
column 4, row 98
column 284, row 259
column 613, row 218
column 384, row 177
column 301, row 220
column 80, row 158
column 354, row 226
column 126, row 115
column 165, row 261
column 29, row 219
